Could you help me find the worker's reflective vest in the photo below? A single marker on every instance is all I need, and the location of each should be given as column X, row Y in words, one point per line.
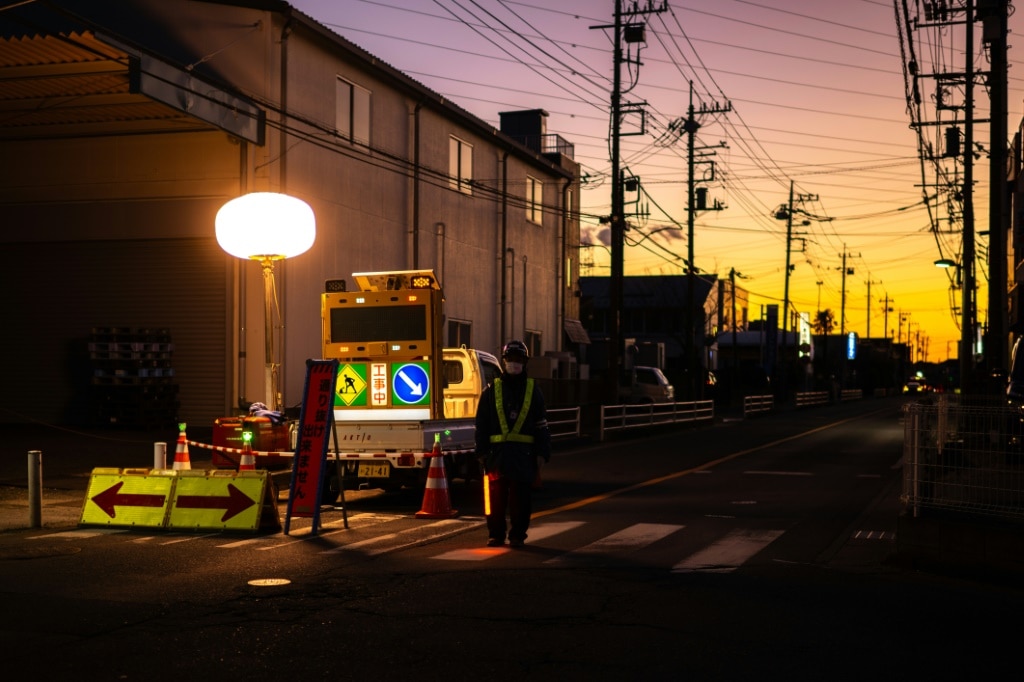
column 512, row 436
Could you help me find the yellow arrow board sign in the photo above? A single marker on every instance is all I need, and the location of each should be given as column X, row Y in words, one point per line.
column 128, row 497
column 218, row 500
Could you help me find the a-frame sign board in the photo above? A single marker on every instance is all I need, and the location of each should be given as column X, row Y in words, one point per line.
column 316, row 423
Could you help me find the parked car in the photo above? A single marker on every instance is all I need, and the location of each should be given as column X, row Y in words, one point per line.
column 646, row 385
column 915, row 386
column 1015, row 379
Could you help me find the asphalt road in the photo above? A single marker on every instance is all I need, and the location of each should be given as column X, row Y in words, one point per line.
column 395, row 598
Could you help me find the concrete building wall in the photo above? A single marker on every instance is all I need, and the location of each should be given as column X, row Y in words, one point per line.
column 380, row 204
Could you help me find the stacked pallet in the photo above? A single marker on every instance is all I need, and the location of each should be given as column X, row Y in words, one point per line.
column 133, row 377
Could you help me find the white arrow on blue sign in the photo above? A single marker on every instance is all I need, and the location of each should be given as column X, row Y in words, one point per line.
column 411, row 384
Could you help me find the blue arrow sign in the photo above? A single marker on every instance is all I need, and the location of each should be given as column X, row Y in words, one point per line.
column 411, row 384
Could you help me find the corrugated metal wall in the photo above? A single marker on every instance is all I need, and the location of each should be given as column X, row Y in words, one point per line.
column 58, row 293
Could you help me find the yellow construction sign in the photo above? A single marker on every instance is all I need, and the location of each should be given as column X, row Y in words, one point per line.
column 128, row 497
column 181, row 499
column 221, row 500
column 350, row 388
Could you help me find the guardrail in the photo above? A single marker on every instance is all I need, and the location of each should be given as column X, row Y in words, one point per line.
column 758, row 403
column 851, row 394
column 620, row 417
column 564, row 422
column 807, row 398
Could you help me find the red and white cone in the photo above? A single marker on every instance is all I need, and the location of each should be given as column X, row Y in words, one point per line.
column 181, row 458
column 248, row 459
column 436, row 503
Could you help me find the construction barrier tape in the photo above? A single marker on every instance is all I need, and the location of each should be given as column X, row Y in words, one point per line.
column 222, row 448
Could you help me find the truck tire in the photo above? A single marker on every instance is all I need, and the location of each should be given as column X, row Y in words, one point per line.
column 329, row 491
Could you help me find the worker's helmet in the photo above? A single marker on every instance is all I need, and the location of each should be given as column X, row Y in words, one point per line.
column 516, row 351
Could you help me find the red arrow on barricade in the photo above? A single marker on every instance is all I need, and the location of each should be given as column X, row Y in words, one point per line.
column 234, row 503
column 110, row 498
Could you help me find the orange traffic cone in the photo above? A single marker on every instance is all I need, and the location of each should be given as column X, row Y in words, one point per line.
column 248, row 460
column 436, row 503
column 181, row 459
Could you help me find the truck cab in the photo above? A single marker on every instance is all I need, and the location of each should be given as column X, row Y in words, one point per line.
column 466, row 373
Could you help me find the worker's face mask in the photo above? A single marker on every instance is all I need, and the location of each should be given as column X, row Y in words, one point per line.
column 513, row 367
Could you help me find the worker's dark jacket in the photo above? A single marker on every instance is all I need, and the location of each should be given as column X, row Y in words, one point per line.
column 509, row 452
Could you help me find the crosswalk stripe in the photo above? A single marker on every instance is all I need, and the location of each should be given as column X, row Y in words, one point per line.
column 81, row 533
column 633, row 537
column 241, row 543
column 537, row 532
column 363, row 520
column 723, row 555
column 729, row 553
column 542, row 531
column 187, row 538
column 443, row 526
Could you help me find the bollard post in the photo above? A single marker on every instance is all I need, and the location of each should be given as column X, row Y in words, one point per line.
column 35, row 488
column 159, row 455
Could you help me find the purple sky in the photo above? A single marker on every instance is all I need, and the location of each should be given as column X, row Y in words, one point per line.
column 816, row 91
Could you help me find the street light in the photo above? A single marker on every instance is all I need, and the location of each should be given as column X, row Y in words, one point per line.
column 966, row 326
column 945, row 263
column 266, row 227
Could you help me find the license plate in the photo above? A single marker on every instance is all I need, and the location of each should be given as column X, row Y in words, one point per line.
column 374, row 470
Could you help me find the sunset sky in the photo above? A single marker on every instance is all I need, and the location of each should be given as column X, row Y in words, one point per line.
column 816, row 93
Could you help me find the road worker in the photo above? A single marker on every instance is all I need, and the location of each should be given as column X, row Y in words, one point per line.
column 511, row 435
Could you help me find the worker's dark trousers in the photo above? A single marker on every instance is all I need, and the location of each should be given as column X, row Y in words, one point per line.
column 511, row 497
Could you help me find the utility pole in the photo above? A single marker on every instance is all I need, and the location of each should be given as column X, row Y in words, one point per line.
column 944, row 14
column 868, row 331
column 785, row 295
column 627, row 31
column 967, row 293
column 993, row 15
column 842, row 314
column 887, row 309
column 787, row 213
column 695, row 202
column 735, row 349
column 842, row 308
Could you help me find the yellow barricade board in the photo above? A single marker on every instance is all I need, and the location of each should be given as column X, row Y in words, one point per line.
column 128, row 497
column 219, row 500
column 181, row 499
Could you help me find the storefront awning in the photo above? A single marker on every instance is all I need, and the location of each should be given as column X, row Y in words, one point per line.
column 577, row 334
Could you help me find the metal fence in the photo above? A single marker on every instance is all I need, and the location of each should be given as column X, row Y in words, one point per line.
column 963, row 457
column 807, row 398
column 758, row 403
column 619, row 417
column 564, row 422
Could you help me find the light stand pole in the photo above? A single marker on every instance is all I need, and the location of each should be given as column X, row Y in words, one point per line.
column 266, row 227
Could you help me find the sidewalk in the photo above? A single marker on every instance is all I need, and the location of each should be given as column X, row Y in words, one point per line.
column 58, row 509
column 68, row 457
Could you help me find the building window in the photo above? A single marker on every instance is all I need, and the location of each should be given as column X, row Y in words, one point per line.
column 460, row 166
column 459, row 334
column 534, row 200
column 352, row 116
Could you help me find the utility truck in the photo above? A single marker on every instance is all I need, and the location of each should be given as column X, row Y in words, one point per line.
column 397, row 388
